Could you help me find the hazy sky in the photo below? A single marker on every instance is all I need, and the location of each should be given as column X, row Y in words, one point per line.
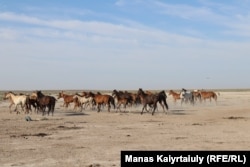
column 124, row 44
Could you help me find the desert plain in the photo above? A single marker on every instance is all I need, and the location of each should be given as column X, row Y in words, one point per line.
column 91, row 139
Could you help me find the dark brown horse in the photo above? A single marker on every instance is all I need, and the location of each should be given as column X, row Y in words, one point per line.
column 100, row 99
column 45, row 101
column 122, row 98
column 67, row 98
column 152, row 100
column 32, row 101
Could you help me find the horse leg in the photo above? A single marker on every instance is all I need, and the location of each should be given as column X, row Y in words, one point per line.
column 16, row 109
column 26, row 108
column 43, row 109
column 109, row 106
column 125, row 105
column 166, row 104
column 162, row 106
column 98, row 107
column 155, row 105
column 11, row 106
column 81, row 107
column 118, row 107
column 145, row 105
column 49, row 109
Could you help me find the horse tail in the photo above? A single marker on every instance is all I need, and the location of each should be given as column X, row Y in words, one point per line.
column 112, row 101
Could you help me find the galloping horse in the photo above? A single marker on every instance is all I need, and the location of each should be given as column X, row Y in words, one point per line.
column 175, row 95
column 45, row 101
column 100, row 99
column 67, row 98
column 162, row 99
column 197, row 95
column 208, row 95
column 17, row 100
column 186, row 96
column 122, row 98
column 151, row 99
column 83, row 100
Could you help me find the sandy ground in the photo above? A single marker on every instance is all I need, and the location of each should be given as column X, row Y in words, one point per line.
column 96, row 139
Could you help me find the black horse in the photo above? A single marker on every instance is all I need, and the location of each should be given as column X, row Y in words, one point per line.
column 152, row 100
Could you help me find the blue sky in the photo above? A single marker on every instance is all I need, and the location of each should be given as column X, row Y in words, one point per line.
column 124, row 44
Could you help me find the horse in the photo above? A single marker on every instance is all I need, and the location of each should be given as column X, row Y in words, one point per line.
column 186, row 96
column 76, row 104
column 67, row 98
column 45, row 101
column 151, row 99
column 175, row 95
column 162, row 99
column 197, row 95
column 32, row 101
column 208, row 95
column 17, row 100
column 122, row 98
column 83, row 100
column 101, row 99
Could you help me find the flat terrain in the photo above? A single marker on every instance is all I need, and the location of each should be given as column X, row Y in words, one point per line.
column 90, row 139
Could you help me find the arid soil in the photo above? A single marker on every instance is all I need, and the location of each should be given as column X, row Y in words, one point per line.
column 90, row 139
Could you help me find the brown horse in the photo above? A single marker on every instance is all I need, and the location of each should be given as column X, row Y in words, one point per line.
column 67, row 98
column 100, row 99
column 44, row 101
column 208, row 95
column 152, row 99
column 122, row 98
column 175, row 95
column 197, row 95
column 77, row 104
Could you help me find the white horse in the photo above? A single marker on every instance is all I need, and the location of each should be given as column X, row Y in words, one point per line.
column 86, row 101
column 16, row 100
column 186, row 96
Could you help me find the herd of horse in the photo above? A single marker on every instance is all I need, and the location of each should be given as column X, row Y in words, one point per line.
column 149, row 100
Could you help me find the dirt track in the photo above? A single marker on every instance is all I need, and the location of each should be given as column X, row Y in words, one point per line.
column 96, row 139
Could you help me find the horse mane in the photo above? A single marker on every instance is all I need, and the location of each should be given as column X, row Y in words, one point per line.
column 12, row 93
column 78, row 94
column 39, row 93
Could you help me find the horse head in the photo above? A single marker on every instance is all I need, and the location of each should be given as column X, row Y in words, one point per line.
column 140, row 91
column 60, row 95
column 114, row 92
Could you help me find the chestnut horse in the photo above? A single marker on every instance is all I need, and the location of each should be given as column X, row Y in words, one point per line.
column 67, row 98
column 100, row 99
column 175, row 95
column 208, row 95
